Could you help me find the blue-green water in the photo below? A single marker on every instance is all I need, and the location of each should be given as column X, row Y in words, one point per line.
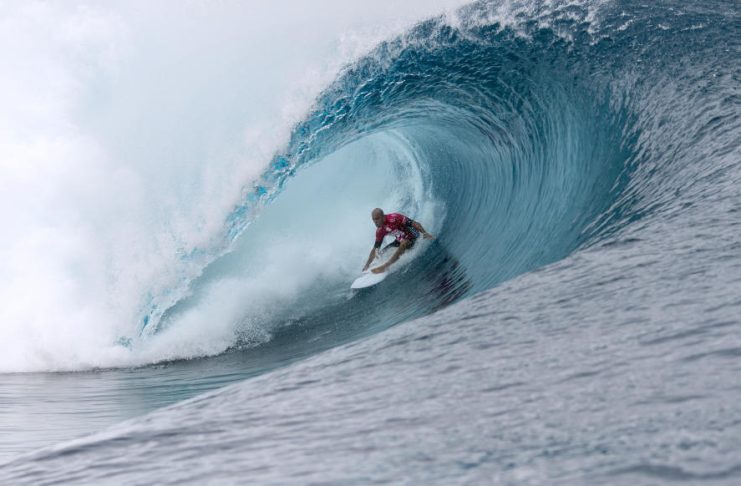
column 576, row 321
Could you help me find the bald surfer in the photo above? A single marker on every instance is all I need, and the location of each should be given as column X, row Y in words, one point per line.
column 404, row 229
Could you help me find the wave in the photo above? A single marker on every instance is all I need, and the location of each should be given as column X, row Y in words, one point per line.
column 511, row 155
column 517, row 132
column 517, row 139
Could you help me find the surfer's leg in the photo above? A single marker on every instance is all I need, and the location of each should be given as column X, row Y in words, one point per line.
column 394, row 244
column 403, row 246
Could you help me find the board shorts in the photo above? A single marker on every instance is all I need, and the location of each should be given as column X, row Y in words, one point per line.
column 397, row 243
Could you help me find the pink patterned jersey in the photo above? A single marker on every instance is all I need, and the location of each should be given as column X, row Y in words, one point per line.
column 397, row 225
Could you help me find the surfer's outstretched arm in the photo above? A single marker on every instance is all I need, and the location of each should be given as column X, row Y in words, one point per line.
column 371, row 257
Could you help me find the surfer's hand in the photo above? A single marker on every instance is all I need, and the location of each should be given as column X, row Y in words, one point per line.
column 428, row 236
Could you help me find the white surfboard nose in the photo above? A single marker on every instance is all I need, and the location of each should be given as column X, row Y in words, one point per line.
column 368, row 279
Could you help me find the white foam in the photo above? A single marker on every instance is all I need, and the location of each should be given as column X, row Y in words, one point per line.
column 127, row 135
column 299, row 256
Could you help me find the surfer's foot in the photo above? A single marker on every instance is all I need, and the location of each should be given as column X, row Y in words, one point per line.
column 378, row 269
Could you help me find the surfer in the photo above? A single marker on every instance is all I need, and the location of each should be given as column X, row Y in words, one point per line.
column 405, row 230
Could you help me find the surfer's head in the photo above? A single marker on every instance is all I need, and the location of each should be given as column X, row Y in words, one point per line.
column 377, row 215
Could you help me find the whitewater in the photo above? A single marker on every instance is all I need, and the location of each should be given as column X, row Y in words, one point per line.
column 185, row 197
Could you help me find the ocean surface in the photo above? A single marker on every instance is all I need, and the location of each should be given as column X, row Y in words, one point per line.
column 187, row 188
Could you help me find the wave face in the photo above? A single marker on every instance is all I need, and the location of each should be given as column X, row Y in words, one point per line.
column 579, row 163
column 498, row 138
column 515, row 143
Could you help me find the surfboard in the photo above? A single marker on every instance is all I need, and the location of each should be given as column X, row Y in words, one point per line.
column 368, row 279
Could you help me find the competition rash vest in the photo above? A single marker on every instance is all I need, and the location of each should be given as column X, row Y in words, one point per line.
column 397, row 225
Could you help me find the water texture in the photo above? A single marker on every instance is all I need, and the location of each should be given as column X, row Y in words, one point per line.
column 576, row 320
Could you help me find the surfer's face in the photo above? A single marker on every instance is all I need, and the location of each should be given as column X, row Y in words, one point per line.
column 377, row 219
